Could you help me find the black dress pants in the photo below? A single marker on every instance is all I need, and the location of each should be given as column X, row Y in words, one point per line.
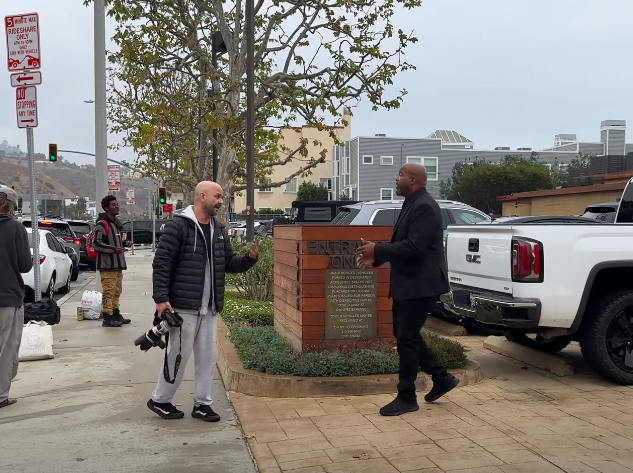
column 408, row 319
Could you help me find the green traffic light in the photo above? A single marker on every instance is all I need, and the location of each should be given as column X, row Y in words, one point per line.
column 53, row 158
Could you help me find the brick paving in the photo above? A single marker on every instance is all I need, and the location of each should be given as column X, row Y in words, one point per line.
column 518, row 420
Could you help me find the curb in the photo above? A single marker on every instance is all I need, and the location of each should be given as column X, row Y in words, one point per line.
column 433, row 324
column 237, row 378
column 544, row 361
column 71, row 294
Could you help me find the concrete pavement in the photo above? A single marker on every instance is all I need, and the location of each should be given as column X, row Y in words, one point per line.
column 85, row 410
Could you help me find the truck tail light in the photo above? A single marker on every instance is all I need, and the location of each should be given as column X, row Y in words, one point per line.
column 42, row 258
column 527, row 260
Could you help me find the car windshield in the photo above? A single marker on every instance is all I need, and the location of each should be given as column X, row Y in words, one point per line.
column 58, row 229
column 80, row 228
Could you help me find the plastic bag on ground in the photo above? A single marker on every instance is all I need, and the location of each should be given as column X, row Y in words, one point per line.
column 37, row 342
column 45, row 310
column 91, row 304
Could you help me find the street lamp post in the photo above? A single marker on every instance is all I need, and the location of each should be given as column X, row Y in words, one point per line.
column 250, row 119
column 101, row 124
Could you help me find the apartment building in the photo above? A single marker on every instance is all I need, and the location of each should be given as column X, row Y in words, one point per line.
column 282, row 197
column 365, row 168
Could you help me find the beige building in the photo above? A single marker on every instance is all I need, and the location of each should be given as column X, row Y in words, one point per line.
column 282, row 197
column 566, row 201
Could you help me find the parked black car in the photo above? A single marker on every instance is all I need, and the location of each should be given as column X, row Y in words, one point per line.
column 142, row 231
column 81, row 229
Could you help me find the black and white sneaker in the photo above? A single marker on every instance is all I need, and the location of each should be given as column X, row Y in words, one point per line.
column 205, row 413
column 165, row 410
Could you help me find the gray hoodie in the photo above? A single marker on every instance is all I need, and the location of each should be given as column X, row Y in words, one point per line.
column 15, row 259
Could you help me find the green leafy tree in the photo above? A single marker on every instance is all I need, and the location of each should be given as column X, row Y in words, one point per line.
column 480, row 183
column 312, row 59
column 344, row 197
column 311, row 192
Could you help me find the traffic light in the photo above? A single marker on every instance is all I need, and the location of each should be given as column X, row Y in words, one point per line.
column 162, row 195
column 52, row 152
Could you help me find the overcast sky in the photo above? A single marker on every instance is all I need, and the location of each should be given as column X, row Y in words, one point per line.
column 500, row 72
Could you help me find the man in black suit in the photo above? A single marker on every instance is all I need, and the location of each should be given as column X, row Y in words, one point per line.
column 418, row 279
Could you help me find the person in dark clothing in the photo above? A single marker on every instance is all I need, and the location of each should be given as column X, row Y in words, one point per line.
column 110, row 261
column 15, row 260
column 418, row 278
column 191, row 260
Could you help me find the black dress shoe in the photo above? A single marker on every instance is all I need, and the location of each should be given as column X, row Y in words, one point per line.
column 116, row 313
column 399, row 406
column 441, row 387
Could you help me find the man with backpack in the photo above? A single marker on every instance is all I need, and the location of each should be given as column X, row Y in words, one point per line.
column 108, row 244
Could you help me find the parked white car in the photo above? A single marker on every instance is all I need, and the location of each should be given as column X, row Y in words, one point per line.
column 56, row 267
column 547, row 283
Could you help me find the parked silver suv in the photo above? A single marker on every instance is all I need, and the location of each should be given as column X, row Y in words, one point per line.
column 386, row 212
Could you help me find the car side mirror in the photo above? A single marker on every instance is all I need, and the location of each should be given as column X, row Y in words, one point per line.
column 69, row 250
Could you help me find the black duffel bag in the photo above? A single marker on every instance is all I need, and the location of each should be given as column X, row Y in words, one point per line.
column 45, row 310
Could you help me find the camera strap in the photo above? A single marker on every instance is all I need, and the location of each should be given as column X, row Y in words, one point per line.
column 178, row 359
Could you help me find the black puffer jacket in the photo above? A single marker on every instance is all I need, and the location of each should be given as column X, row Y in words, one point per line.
column 180, row 263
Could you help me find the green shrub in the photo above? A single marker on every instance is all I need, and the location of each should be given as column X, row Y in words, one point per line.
column 238, row 309
column 255, row 284
column 263, row 349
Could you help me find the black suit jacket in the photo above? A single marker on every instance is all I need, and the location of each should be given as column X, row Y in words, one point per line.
column 416, row 251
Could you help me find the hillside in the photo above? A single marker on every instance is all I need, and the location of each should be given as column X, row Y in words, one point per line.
column 67, row 181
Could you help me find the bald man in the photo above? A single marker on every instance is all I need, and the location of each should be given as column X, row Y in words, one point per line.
column 192, row 257
column 418, row 279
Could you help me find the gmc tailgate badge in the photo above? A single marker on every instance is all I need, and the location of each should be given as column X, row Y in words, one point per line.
column 476, row 259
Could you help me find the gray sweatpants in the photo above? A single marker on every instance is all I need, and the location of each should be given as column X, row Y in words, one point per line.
column 11, row 325
column 198, row 336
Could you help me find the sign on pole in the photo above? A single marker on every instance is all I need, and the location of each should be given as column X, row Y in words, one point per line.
column 129, row 195
column 23, row 42
column 26, row 106
column 26, row 78
column 114, row 177
column 168, row 208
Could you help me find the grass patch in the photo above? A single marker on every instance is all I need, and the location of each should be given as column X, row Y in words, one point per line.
column 262, row 349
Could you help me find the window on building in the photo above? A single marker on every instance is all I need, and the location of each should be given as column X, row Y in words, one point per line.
column 347, row 165
column 368, row 160
column 386, row 194
column 386, row 160
column 291, row 185
column 336, row 168
column 431, row 168
column 265, row 189
column 549, row 166
column 415, row 160
column 563, row 166
column 385, row 217
column 326, row 182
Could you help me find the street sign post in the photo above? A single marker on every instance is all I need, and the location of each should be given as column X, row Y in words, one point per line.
column 26, row 78
column 114, row 177
column 23, row 54
column 26, row 106
column 129, row 195
column 23, row 42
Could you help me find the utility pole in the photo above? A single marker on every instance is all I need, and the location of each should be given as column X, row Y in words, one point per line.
column 101, row 123
column 250, row 120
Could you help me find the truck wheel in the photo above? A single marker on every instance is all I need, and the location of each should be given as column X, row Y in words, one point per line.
column 551, row 346
column 607, row 339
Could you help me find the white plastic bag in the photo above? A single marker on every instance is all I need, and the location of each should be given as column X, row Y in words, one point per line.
column 37, row 342
column 91, row 305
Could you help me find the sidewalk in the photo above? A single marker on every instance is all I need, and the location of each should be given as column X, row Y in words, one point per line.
column 519, row 420
column 85, row 410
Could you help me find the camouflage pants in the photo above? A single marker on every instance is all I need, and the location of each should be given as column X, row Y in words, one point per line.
column 111, row 288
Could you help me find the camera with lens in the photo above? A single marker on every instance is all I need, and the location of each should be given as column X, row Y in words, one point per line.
column 154, row 336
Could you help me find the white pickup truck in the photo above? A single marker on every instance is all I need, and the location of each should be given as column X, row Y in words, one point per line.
column 546, row 284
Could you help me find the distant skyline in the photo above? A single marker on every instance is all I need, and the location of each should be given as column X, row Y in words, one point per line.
column 500, row 73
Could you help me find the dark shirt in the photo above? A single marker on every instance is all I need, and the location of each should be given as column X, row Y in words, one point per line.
column 206, row 230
